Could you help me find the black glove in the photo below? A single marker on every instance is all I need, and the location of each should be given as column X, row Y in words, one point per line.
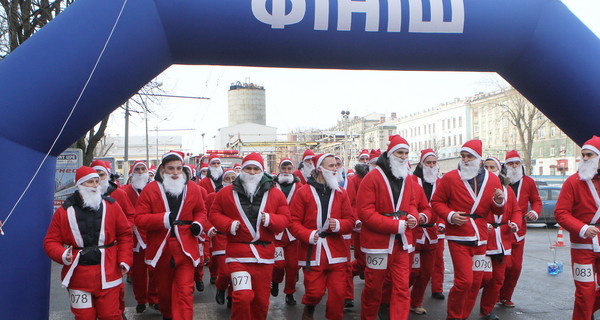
column 195, row 228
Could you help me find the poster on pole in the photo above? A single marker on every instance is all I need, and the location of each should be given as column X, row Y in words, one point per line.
column 67, row 164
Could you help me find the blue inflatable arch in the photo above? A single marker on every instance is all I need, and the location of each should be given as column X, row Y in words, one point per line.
column 538, row 46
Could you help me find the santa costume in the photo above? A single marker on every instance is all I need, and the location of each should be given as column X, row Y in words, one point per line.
column 212, row 183
column 304, row 174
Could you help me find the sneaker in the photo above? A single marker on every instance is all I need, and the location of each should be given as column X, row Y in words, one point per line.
column 348, row 303
column 490, row 316
column 438, row 295
column 507, row 303
column 289, row 300
column 141, row 307
column 418, row 310
column 274, row 289
column 200, row 286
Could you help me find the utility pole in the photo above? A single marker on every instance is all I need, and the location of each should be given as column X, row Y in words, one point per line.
column 126, row 153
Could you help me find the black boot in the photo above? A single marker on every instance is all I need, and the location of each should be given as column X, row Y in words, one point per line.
column 438, row 295
column 200, row 286
column 141, row 307
column 348, row 303
column 229, row 302
column 308, row 313
column 274, row 289
column 384, row 312
column 289, row 300
column 220, row 297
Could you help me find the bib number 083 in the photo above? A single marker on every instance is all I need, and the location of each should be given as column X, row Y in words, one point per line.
column 583, row 272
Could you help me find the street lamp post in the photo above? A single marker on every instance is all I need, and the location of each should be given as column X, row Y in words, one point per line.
column 345, row 115
column 202, row 142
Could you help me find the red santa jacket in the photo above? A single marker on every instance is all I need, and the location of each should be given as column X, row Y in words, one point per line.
column 139, row 236
column 306, row 221
column 375, row 201
column 578, row 207
column 500, row 237
column 353, row 184
column 427, row 233
column 152, row 216
column 285, row 237
column 64, row 231
column 218, row 243
column 453, row 194
column 208, row 184
column 528, row 198
column 227, row 210
column 299, row 174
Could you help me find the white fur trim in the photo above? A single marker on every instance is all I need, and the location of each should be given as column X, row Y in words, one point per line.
column 201, row 228
column 396, row 147
column 87, row 177
column 172, row 154
column 322, row 158
column 308, row 157
column 233, row 226
column 166, row 220
column 590, row 147
column 64, row 258
column 125, row 265
column 311, row 239
column 513, row 159
column 401, row 226
column 471, row 151
column 583, row 230
column 421, row 214
column 267, row 219
column 254, row 162
column 427, row 155
column 450, row 217
column 337, row 225
column 101, row 168
column 536, row 214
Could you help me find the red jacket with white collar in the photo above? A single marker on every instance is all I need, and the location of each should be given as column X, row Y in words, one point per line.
column 527, row 196
column 500, row 237
column 427, row 235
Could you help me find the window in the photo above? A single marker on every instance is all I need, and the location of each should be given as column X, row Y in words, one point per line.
column 453, row 122
column 454, row 139
column 541, row 171
column 552, row 151
column 460, row 121
column 552, row 131
column 542, row 132
column 460, row 140
column 443, row 125
column 505, row 123
column 541, row 154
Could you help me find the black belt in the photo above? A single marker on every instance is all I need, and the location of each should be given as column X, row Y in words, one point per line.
column 496, row 225
column 325, row 234
column 396, row 214
column 182, row 222
column 84, row 249
column 259, row 242
column 471, row 215
column 219, row 232
column 428, row 225
column 472, row 243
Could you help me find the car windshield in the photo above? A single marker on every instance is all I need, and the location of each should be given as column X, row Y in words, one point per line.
column 544, row 194
column 554, row 194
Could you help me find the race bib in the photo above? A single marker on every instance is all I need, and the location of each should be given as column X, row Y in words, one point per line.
column 416, row 261
column 80, row 299
column 583, row 272
column 241, row 280
column 279, row 254
column 377, row 261
column 482, row 262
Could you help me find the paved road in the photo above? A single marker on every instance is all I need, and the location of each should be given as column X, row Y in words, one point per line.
column 538, row 295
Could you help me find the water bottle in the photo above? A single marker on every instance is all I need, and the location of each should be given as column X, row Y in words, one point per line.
column 552, row 268
column 560, row 266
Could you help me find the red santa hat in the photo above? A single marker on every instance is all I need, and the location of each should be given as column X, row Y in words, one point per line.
column 363, row 153
column 203, row 166
column 286, row 160
column 254, row 159
column 593, row 144
column 135, row 165
column 496, row 160
column 228, row 171
column 100, row 165
column 374, row 155
column 340, row 158
column 178, row 154
column 350, row 172
column 426, row 153
column 512, row 156
column 237, row 165
column 396, row 142
column 318, row 159
column 191, row 169
column 473, row 147
column 108, row 166
column 152, row 169
column 308, row 154
column 213, row 157
column 84, row 174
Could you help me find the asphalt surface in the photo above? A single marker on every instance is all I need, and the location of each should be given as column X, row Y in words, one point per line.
column 537, row 296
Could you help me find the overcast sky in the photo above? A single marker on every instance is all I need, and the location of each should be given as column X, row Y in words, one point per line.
column 307, row 98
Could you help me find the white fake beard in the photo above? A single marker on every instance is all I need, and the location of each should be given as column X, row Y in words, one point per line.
column 514, row 174
column 469, row 169
column 103, row 186
column 139, row 180
column 339, row 175
column 588, row 169
column 331, row 179
column 202, row 175
column 306, row 170
column 285, row 178
column 172, row 186
column 216, row 173
column 92, row 198
column 399, row 167
column 250, row 183
column 430, row 175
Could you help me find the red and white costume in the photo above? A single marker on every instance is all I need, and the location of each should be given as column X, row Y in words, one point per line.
column 324, row 261
column 104, row 280
column 577, row 209
column 168, row 246
column 467, row 243
column 385, row 237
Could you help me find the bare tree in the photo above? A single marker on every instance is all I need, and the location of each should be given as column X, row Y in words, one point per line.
column 526, row 119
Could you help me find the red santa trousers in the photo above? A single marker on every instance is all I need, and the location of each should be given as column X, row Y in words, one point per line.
column 514, row 264
column 398, row 264
column 585, row 291
column 223, row 274
column 287, row 267
column 254, row 303
column 175, row 284
column 491, row 284
column 467, row 282
column 105, row 302
column 427, row 255
column 143, row 290
column 326, row 276
column 359, row 263
column 437, row 274
column 213, row 265
column 349, row 291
